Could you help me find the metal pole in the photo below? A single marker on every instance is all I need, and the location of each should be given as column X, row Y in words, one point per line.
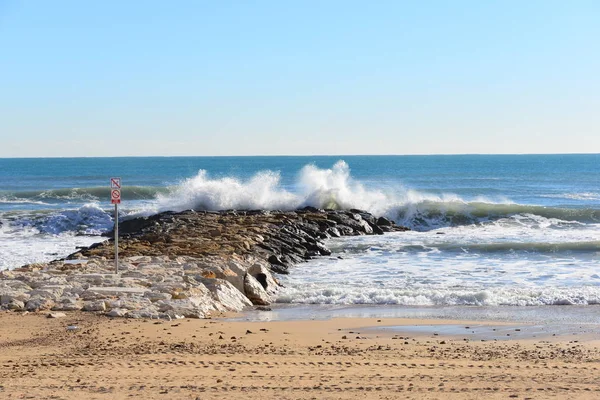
column 116, row 238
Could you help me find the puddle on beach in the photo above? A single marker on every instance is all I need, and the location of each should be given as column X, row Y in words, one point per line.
column 486, row 323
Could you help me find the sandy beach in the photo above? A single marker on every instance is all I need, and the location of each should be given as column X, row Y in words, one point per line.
column 342, row 358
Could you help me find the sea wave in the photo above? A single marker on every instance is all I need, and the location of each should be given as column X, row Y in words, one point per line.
column 586, row 196
column 537, row 247
column 324, row 188
column 429, row 214
column 79, row 194
column 89, row 219
column 316, row 294
column 328, row 188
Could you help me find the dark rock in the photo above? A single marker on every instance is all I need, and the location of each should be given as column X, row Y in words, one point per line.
column 376, row 229
column 275, row 260
column 333, row 232
column 357, row 211
column 310, row 209
column 369, row 218
column 382, row 221
column 277, row 265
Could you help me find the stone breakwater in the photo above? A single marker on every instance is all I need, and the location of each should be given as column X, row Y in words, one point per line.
column 188, row 264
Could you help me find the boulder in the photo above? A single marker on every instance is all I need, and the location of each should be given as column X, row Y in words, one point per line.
column 9, row 295
column 188, row 308
column 67, row 304
column 98, row 305
column 56, row 315
column 261, row 273
column 15, row 305
column 255, row 292
column 117, row 312
column 226, row 295
column 382, row 221
column 39, row 304
column 157, row 296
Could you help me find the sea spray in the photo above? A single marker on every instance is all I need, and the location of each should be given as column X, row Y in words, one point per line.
column 262, row 191
column 335, row 188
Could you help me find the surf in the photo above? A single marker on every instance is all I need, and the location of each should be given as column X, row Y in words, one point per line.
column 335, row 188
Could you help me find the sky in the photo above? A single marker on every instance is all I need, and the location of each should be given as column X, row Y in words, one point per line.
column 159, row 78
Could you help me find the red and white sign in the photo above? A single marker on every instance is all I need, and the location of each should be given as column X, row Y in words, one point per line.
column 115, row 183
column 115, row 196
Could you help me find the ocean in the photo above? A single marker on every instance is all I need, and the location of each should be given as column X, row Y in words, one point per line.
column 487, row 230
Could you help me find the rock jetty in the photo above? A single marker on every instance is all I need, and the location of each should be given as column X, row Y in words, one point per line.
column 187, row 264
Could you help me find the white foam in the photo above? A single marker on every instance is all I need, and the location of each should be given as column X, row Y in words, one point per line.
column 323, row 188
column 441, row 297
column 585, row 196
column 20, row 245
column 200, row 192
column 516, row 261
column 89, row 219
column 332, row 188
column 17, row 200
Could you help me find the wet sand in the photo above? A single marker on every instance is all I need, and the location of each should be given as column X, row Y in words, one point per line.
column 341, row 358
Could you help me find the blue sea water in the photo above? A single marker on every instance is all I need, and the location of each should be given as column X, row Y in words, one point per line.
column 487, row 229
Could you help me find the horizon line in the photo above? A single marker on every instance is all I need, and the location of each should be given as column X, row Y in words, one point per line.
column 307, row 155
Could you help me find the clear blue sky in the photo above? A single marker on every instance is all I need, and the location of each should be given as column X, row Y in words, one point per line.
column 103, row 78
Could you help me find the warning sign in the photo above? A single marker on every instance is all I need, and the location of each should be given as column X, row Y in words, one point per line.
column 115, row 196
column 115, row 183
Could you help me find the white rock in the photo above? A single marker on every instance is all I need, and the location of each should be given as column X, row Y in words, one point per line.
column 255, row 292
column 116, row 291
column 39, row 304
column 56, row 315
column 139, row 259
column 263, row 275
column 15, row 285
column 156, row 296
column 189, row 308
column 47, row 293
column 67, row 304
column 143, row 313
column 7, row 296
column 94, row 306
column 15, row 305
column 117, row 312
column 226, row 294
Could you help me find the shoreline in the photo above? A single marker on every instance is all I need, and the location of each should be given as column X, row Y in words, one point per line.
column 341, row 358
column 549, row 314
column 493, row 322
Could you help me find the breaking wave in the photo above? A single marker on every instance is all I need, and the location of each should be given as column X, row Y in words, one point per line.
column 89, row 219
column 335, row 188
column 79, row 194
column 324, row 188
column 506, row 296
column 429, row 214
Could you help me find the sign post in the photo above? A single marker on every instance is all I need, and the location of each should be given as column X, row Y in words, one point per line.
column 115, row 198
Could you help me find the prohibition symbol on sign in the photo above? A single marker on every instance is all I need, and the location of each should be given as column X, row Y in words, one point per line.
column 115, row 196
column 115, row 183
